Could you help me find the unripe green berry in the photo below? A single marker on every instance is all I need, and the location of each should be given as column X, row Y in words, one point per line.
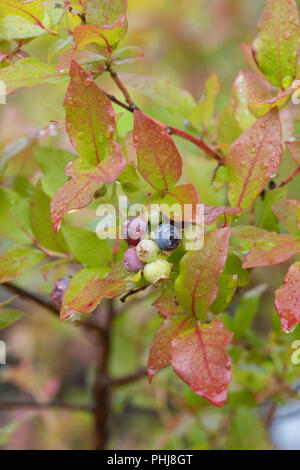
column 193, row 237
column 147, row 251
column 157, row 272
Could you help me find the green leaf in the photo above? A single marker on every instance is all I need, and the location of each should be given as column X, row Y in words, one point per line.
column 41, row 222
column 106, row 38
column 264, row 217
column 201, row 116
column 234, row 266
column 8, row 317
column 127, row 55
column 227, row 288
column 17, row 261
column 29, row 72
column 228, row 128
column 162, row 92
column 276, row 45
column 197, row 285
column 253, row 158
column 14, row 216
column 31, row 10
column 246, row 310
column 52, row 163
column 87, row 247
column 159, row 161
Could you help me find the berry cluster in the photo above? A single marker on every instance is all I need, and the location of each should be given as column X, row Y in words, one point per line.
column 146, row 254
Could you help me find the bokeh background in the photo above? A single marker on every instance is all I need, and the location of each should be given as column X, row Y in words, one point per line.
column 184, row 41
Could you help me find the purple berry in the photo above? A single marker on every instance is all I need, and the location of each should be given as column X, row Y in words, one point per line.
column 133, row 230
column 131, row 261
column 59, row 290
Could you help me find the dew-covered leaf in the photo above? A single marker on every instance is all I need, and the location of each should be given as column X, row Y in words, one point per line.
column 287, row 298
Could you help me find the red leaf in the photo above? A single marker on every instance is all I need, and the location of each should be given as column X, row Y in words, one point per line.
column 183, row 195
column 212, row 213
column 158, row 159
column 294, row 149
column 288, row 214
column 253, row 158
column 199, row 358
column 167, row 304
column 197, row 285
column 160, row 349
column 287, row 298
column 71, row 196
column 90, row 119
column 250, row 58
column 269, row 248
column 95, row 291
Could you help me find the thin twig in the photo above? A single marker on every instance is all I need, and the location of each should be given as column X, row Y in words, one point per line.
column 290, row 177
column 50, row 305
column 270, row 415
column 132, row 292
column 12, row 405
column 128, row 379
column 131, row 107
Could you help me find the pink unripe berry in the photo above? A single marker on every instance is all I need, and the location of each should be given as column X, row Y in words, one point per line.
column 59, row 290
column 131, row 261
column 147, row 251
column 133, row 230
column 157, row 272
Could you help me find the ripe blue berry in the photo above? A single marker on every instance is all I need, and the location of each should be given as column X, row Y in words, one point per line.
column 167, row 237
column 131, row 261
column 59, row 290
column 147, row 251
column 133, row 230
column 157, row 272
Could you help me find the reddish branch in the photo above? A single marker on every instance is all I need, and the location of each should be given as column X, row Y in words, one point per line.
column 290, row 177
column 131, row 106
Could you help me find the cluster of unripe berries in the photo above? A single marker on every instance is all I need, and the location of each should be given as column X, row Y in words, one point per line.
column 145, row 254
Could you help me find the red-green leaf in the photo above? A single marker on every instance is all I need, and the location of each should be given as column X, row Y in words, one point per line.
column 159, row 161
column 71, row 196
column 250, row 58
column 107, row 171
column 276, row 45
column 17, row 261
column 199, row 358
column 80, row 56
column 160, row 349
column 167, row 304
column 248, row 87
column 197, row 285
column 288, row 214
column 201, row 116
column 287, row 298
column 294, row 149
column 29, row 72
column 106, row 12
column 182, row 196
column 253, row 158
column 212, row 213
column 90, row 119
column 104, row 37
column 95, row 291
column 269, row 248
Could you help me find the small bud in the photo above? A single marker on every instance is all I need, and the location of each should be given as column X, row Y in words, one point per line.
column 157, row 272
column 167, row 237
column 131, row 261
column 133, row 230
column 59, row 290
column 147, row 251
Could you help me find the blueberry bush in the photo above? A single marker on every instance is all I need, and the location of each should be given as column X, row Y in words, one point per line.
column 51, row 202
